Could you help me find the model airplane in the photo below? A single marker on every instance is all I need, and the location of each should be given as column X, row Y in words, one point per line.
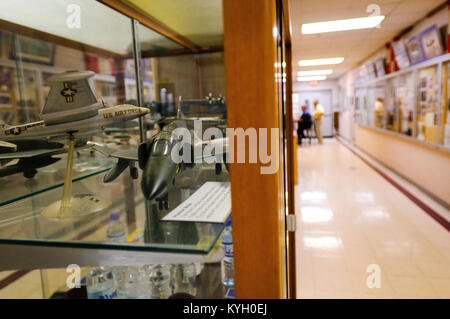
column 71, row 115
column 70, row 112
column 34, row 154
column 154, row 158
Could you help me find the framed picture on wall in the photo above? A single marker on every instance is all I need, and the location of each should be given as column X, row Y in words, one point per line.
column 6, row 100
column 414, row 48
column 431, row 42
column 401, row 56
column 32, row 50
column 380, row 67
column 6, row 78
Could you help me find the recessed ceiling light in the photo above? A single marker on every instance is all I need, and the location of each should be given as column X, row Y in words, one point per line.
column 320, row 61
column 311, row 78
column 315, row 72
column 341, row 25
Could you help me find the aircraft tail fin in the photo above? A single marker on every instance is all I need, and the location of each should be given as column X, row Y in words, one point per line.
column 70, row 98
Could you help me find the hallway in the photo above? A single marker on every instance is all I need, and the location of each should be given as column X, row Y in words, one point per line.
column 349, row 217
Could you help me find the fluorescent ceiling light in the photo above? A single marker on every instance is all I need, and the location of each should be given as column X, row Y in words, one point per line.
column 320, row 61
column 314, row 72
column 311, row 78
column 342, row 25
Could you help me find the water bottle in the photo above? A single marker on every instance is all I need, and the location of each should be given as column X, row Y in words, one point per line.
column 136, row 285
column 116, row 232
column 159, row 279
column 228, row 262
column 184, row 279
column 100, row 283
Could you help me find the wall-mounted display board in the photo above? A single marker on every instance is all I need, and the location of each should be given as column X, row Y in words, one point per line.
column 431, row 42
column 410, row 101
column 401, row 55
column 415, row 50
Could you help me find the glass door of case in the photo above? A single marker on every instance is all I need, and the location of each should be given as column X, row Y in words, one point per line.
column 130, row 64
column 427, row 104
column 284, row 88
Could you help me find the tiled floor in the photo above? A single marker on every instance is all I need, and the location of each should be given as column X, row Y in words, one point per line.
column 350, row 217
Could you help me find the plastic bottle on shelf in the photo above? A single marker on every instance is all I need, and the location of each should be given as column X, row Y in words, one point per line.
column 116, row 234
column 228, row 261
column 136, row 285
column 116, row 231
column 100, row 283
column 184, row 279
column 159, row 277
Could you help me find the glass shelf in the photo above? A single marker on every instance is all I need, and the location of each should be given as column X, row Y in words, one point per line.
column 86, row 164
column 21, row 222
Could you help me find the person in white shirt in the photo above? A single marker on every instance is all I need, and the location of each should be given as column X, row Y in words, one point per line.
column 318, row 115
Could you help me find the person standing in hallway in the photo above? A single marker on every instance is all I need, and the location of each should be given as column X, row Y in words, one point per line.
column 304, row 123
column 318, row 115
column 379, row 112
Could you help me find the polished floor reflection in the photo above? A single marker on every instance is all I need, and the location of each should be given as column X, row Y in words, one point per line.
column 360, row 237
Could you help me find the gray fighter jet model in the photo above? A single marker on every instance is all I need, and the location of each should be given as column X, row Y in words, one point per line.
column 70, row 112
column 154, row 158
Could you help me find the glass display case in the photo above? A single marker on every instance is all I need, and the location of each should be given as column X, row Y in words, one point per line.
column 427, row 104
column 131, row 64
column 408, row 102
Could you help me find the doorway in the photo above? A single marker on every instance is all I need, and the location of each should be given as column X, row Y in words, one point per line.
column 324, row 97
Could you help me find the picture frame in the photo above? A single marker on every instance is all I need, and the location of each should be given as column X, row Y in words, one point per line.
column 431, row 42
column 32, row 50
column 415, row 50
column 6, row 100
column 380, row 67
column 401, row 56
column 6, row 78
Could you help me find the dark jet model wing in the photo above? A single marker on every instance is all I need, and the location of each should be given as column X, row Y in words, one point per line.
column 28, row 166
column 32, row 154
column 219, row 147
column 29, row 154
column 127, row 158
column 9, row 146
column 29, row 159
column 219, row 150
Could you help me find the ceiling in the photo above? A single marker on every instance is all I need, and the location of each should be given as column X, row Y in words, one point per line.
column 354, row 45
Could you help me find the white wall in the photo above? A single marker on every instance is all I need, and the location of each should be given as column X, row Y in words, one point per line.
column 346, row 84
column 321, row 86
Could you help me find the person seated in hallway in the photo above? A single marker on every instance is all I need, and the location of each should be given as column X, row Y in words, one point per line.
column 318, row 115
column 304, row 123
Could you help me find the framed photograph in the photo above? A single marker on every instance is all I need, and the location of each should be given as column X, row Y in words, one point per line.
column 380, row 67
column 431, row 42
column 401, row 56
column 423, row 96
column 6, row 78
column 371, row 73
column 32, row 50
column 415, row 50
column 129, row 69
column 6, row 100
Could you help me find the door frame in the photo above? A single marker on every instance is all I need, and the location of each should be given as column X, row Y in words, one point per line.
column 258, row 200
column 330, row 90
